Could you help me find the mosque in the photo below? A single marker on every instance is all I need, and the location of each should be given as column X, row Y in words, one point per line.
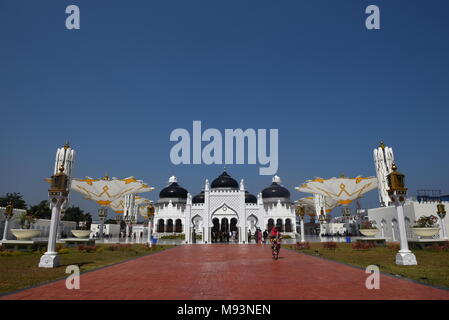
column 224, row 205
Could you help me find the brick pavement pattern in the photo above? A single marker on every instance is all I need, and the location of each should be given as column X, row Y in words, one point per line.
column 220, row 271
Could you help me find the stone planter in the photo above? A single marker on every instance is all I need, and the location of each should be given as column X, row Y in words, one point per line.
column 25, row 234
column 82, row 234
column 369, row 232
column 426, row 232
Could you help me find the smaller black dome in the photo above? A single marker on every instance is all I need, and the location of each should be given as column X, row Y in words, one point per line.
column 199, row 198
column 275, row 190
column 224, row 181
column 250, row 198
column 173, row 190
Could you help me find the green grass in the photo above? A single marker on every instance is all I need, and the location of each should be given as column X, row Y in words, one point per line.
column 432, row 268
column 21, row 270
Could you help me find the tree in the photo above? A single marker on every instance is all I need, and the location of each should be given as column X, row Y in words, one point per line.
column 74, row 213
column 41, row 210
column 16, row 198
column 110, row 221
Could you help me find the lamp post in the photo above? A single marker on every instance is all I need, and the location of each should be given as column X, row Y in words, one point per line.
column 150, row 216
column 441, row 212
column 102, row 214
column 322, row 219
column 346, row 211
column 301, row 212
column 58, row 193
column 396, row 192
column 9, row 212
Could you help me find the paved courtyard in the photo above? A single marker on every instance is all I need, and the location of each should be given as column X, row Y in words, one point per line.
column 222, row 271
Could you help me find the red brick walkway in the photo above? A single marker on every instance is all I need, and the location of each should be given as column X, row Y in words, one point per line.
column 230, row 272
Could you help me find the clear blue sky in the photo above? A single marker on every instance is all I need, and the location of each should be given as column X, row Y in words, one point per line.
column 139, row 69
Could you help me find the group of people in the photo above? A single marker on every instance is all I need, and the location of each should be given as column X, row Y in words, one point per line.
column 260, row 236
column 223, row 236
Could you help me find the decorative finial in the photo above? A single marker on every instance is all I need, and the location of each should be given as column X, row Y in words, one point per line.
column 342, row 175
column 382, row 144
column 106, row 177
column 276, row 179
column 394, row 167
column 172, row 179
column 66, row 145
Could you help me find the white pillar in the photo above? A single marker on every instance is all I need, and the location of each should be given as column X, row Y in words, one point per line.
column 303, row 238
column 404, row 256
column 150, row 232
column 51, row 258
column 5, row 232
column 393, row 231
column 443, row 228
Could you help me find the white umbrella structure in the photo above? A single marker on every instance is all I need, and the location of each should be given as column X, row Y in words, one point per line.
column 104, row 191
column 342, row 190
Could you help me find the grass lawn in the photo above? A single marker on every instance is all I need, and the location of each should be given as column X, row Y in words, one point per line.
column 21, row 271
column 432, row 268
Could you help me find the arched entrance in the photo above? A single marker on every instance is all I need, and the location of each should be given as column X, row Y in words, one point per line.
column 215, row 229
column 178, row 226
column 160, row 226
column 234, row 229
column 169, row 227
column 288, row 225
column 279, row 225
column 224, row 235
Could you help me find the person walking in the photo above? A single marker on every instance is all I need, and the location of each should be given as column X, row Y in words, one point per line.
column 249, row 236
column 265, row 236
column 259, row 236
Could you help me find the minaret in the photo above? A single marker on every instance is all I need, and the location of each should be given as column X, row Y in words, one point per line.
column 383, row 161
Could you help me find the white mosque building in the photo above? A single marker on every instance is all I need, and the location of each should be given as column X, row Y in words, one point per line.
column 224, row 205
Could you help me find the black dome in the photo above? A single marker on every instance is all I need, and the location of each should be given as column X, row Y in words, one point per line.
column 250, row 198
column 224, row 181
column 199, row 198
column 173, row 190
column 275, row 191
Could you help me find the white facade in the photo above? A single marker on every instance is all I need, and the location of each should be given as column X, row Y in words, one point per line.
column 224, row 208
column 385, row 218
column 110, row 230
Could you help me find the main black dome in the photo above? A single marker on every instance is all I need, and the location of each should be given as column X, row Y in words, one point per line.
column 250, row 198
column 173, row 190
column 199, row 198
column 225, row 181
column 275, row 190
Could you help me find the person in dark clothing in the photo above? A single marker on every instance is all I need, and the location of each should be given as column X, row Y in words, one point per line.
column 265, row 236
column 249, row 236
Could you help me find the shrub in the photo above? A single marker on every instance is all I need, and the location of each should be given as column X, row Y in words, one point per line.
column 330, row 245
column 10, row 253
column 85, row 248
column 63, row 251
column 439, row 247
column 174, row 236
column 286, row 236
column 360, row 245
column 120, row 247
column 426, row 222
column 393, row 246
column 302, row 246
